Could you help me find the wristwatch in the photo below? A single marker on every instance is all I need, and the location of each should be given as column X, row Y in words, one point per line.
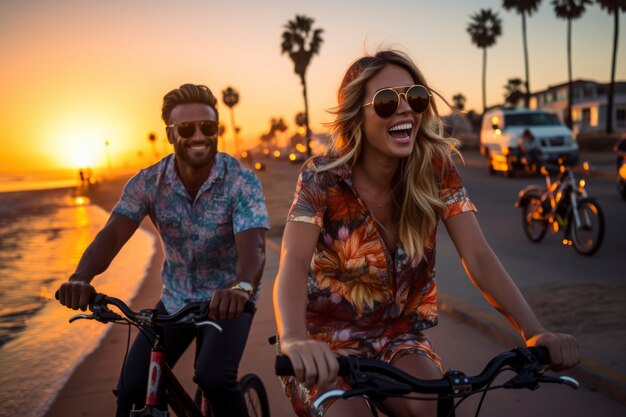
column 243, row 286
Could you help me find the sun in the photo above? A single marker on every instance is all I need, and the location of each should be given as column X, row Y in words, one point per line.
column 78, row 145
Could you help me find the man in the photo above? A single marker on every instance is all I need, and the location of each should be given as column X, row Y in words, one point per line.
column 211, row 216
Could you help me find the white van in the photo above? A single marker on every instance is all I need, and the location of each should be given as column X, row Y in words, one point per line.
column 502, row 129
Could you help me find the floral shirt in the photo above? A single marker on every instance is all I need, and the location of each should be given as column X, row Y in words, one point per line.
column 359, row 294
column 198, row 236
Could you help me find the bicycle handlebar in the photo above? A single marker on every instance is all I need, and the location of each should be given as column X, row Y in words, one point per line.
column 98, row 303
column 380, row 379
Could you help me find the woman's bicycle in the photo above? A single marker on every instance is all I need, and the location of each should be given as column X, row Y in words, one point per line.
column 377, row 381
column 162, row 383
column 563, row 204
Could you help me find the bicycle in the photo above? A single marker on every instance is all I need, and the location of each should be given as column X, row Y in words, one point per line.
column 162, row 383
column 562, row 204
column 377, row 380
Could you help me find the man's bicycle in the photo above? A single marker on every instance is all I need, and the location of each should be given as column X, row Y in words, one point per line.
column 376, row 380
column 163, row 388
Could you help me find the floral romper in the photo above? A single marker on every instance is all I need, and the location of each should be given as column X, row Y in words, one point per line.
column 362, row 300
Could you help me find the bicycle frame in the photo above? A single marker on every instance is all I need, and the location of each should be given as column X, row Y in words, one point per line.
column 162, row 382
column 566, row 187
column 163, row 386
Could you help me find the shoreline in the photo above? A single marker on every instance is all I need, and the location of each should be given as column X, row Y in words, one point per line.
column 90, row 385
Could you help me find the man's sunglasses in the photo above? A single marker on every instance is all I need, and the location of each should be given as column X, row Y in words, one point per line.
column 387, row 100
column 187, row 129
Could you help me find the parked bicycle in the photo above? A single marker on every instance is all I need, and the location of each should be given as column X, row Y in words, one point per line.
column 163, row 388
column 562, row 205
column 377, row 381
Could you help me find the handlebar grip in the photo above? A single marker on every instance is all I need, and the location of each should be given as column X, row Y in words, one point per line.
column 249, row 307
column 283, row 366
column 541, row 354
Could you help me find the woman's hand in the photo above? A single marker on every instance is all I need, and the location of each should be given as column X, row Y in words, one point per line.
column 313, row 361
column 563, row 349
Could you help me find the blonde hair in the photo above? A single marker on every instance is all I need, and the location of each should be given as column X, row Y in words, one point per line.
column 420, row 203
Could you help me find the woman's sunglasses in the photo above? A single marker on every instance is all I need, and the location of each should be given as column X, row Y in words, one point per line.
column 387, row 100
column 187, row 129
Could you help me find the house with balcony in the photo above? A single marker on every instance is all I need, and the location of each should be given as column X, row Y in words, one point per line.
column 589, row 105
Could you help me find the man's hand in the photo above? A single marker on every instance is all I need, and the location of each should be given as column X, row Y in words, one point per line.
column 227, row 304
column 75, row 294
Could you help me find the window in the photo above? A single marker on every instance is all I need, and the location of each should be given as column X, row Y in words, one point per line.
column 586, row 116
column 531, row 119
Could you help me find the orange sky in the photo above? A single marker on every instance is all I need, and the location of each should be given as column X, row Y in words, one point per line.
column 79, row 73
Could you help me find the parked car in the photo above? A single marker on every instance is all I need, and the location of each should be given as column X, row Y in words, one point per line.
column 501, row 132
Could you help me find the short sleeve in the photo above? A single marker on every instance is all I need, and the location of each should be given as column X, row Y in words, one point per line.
column 309, row 200
column 249, row 209
column 133, row 203
column 453, row 193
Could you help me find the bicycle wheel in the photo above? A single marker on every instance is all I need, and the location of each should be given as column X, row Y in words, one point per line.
column 587, row 237
column 533, row 220
column 255, row 395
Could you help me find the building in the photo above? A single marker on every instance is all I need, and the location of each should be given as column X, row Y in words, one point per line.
column 589, row 106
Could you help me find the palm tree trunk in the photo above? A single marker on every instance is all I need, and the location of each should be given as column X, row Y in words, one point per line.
column 235, row 135
column 527, row 83
column 609, row 105
column 306, row 114
column 484, row 80
column 570, row 89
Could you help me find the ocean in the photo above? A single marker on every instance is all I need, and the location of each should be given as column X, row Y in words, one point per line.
column 43, row 233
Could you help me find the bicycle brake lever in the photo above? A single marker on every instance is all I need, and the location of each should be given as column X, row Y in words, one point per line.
column 82, row 316
column 209, row 323
column 523, row 380
column 565, row 380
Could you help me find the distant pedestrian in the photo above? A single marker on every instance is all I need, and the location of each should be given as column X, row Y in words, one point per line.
column 81, row 175
column 357, row 271
column 530, row 148
column 620, row 149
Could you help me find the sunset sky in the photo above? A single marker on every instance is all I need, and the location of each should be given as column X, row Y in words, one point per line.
column 78, row 73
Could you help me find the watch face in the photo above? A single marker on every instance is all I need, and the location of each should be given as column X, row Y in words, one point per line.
column 245, row 286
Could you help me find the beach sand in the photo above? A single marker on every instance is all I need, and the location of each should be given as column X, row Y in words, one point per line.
column 88, row 390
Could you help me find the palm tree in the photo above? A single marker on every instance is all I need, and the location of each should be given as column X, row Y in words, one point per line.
column 512, row 91
column 484, row 28
column 301, row 42
column 570, row 10
column 459, row 101
column 152, row 138
column 523, row 7
column 613, row 7
column 230, row 97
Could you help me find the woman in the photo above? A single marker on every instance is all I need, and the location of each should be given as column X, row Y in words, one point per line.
column 357, row 263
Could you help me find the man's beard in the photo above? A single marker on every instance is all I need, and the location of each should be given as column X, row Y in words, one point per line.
column 183, row 153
